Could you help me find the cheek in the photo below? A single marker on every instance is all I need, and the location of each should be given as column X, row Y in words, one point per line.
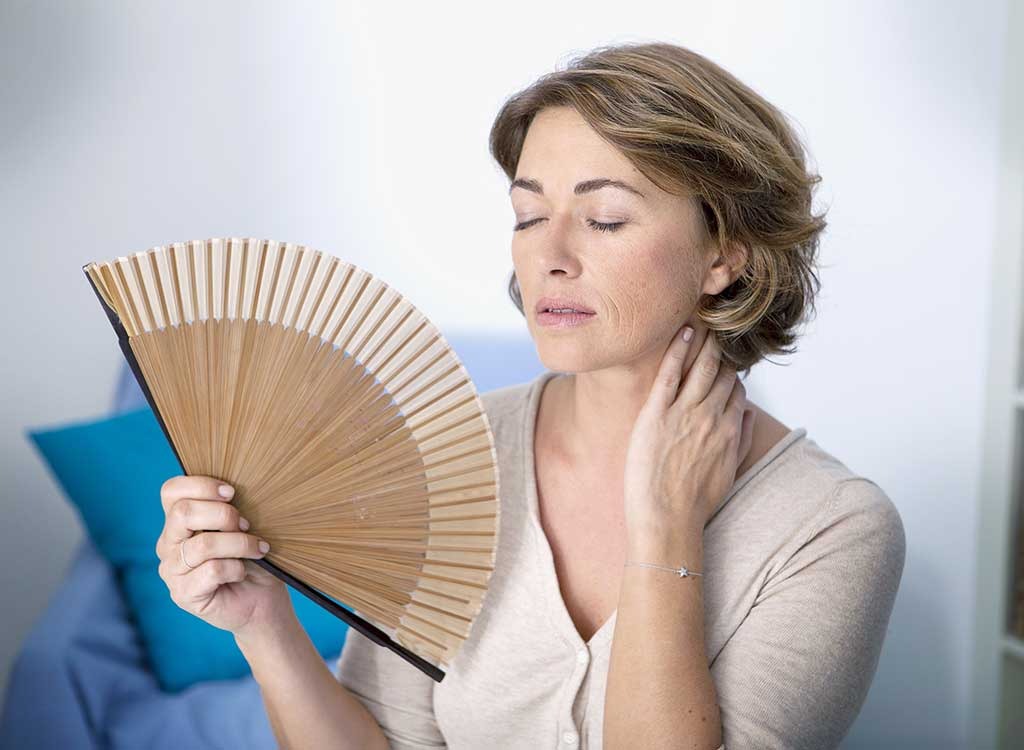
column 522, row 260
column 653, row 285
column 520, row 267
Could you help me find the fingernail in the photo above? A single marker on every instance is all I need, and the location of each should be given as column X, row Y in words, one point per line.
column 225, row 490
column 243, row 524
column 264, row 547
column 687, row 333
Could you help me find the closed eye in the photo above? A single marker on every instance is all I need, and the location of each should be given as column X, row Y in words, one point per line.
column 600, row 226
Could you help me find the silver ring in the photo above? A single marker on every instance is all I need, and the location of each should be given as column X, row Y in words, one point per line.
column 181, row 548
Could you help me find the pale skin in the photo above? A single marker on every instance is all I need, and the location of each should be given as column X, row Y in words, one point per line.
column 645, row 433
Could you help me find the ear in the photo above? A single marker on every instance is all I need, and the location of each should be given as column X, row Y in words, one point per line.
column 726, row 266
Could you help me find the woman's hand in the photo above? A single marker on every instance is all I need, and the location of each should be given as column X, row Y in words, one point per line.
column 220, row 587
column 687, row 442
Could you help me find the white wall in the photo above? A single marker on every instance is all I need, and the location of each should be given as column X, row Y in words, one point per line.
column 362, row 130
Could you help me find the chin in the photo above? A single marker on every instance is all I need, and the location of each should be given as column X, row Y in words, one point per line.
column 569, row 357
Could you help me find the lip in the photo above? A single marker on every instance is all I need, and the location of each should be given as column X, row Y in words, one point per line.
column 560, row 302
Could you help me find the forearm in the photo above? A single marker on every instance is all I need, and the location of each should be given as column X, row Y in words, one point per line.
column 660, row 693
column 306, row 705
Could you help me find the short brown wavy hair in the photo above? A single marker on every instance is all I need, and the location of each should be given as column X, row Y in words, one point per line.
column 691, row 127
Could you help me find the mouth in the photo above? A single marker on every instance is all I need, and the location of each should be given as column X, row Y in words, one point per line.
column 562, row 306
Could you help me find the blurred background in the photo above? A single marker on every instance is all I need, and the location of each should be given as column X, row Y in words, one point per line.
column 361, row 129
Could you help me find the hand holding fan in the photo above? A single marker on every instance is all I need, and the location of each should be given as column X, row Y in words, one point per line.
column 353, row 435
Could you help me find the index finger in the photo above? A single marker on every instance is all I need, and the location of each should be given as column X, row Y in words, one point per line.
column 194, row 487
column 702, row 373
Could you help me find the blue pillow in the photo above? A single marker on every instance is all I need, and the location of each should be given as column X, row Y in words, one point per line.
column 111, row 470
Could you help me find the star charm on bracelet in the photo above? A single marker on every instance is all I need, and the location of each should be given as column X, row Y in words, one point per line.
column 682, row 571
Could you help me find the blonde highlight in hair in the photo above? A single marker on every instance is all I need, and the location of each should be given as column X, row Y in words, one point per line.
column 691, row 127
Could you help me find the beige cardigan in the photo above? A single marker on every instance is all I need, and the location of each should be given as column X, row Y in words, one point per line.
column 802, row 561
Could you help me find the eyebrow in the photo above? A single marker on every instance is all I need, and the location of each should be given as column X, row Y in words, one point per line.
column 587, row 186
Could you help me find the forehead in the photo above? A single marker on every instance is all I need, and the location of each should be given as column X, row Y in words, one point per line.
column 561, row 145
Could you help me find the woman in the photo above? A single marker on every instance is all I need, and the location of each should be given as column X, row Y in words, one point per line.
column 676, row 567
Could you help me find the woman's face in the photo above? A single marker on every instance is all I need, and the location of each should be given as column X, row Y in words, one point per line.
column 642, row 278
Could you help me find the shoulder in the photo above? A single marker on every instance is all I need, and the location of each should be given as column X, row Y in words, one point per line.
column 853, row 504
column 845, row 514
column 861, row 515
column 818, row 551
column 505, row 408
column 859, row 497
column 811, row 499
column 500, row 400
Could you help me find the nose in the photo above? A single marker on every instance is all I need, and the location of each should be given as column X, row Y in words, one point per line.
column 558, row 251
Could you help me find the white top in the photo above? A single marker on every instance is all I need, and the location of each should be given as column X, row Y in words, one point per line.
column 802, row 561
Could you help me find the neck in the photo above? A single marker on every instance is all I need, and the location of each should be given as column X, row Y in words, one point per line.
column 594, row 412
column 588, row 418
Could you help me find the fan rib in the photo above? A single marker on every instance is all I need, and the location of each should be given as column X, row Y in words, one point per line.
column 348, row 311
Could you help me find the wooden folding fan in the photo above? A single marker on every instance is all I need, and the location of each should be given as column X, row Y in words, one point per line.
column 355, row 440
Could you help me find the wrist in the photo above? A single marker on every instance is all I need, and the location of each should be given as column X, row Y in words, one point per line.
column 667, row 545
column 259, row 635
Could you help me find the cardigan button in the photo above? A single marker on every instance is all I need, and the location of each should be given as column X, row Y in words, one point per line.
column 570, row 738
column 582, row 656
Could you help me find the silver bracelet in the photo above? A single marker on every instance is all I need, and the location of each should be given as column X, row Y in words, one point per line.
column 683, row 572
